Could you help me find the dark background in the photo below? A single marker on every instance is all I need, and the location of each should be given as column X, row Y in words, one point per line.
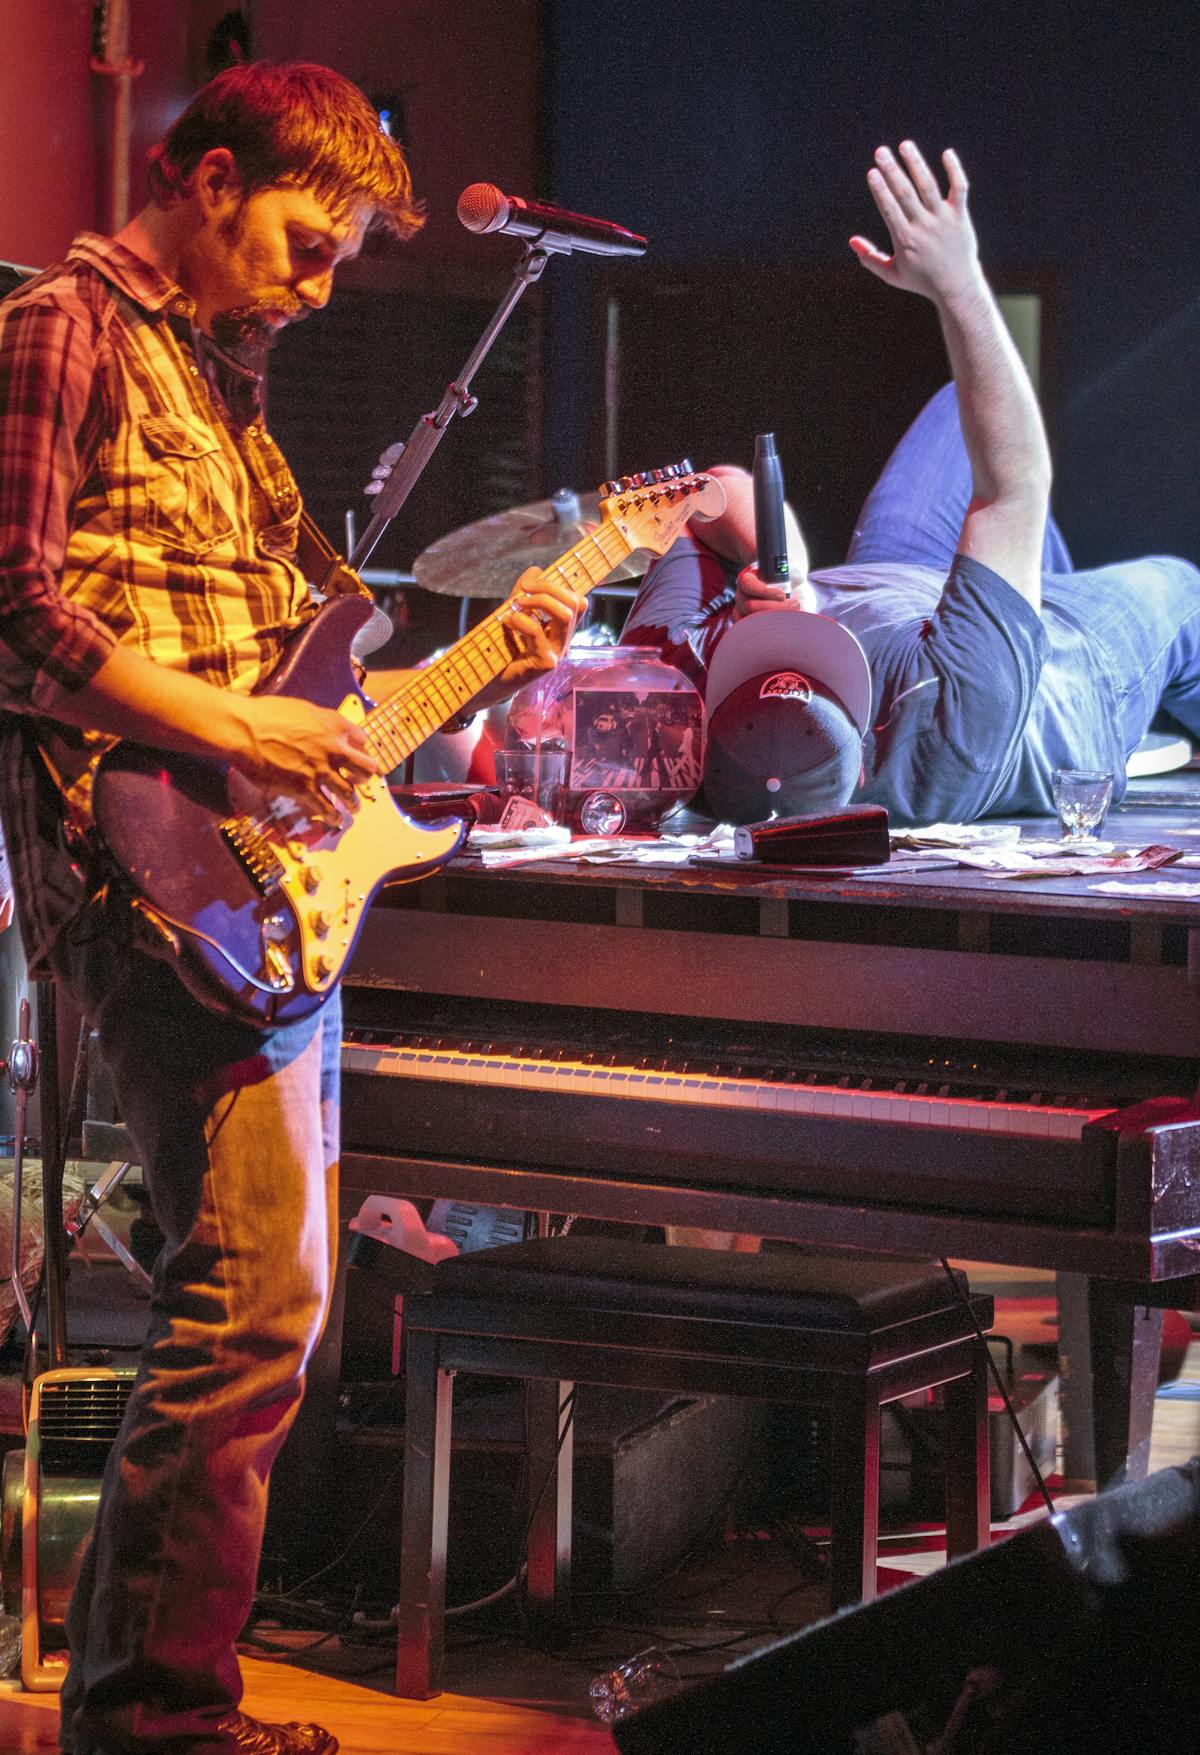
column 741, row 135
column 736, row 137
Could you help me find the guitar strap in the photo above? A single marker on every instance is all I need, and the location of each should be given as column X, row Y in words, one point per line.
column 325, row 569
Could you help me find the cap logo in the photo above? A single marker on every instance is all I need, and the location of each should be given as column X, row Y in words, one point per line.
column 786, row 685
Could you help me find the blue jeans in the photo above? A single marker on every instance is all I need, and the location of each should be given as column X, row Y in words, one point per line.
column 236, row 1130
column 1143, row 616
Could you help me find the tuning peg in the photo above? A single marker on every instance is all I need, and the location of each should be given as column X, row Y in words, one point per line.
column 608, row 489
column 686, row 466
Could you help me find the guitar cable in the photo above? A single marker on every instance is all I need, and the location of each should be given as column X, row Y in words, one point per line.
column 964, row 1299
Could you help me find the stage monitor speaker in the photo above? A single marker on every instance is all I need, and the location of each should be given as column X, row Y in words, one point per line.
column 50, row 1494
column 1078, row 1635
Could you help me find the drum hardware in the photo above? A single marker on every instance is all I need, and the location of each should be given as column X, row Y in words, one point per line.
column 484, row 559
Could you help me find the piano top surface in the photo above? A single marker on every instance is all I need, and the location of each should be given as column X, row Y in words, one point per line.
column 1164, row 811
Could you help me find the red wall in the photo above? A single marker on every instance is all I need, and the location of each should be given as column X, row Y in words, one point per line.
column 47, row 170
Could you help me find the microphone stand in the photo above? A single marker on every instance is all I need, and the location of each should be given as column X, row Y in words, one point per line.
column 427, row 434
column 31, row 1056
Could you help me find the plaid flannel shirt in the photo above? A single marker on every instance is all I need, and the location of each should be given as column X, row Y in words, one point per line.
column 141, row 500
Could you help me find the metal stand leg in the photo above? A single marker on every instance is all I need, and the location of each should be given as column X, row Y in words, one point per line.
column 549, row 1463
column 1109, row 1349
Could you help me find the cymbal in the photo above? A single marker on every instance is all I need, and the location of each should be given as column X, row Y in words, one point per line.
column 486, row 558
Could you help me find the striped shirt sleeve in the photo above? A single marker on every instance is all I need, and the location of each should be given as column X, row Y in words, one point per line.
column 48, row 645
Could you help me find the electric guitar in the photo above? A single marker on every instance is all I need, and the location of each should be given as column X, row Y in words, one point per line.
column 259, row 906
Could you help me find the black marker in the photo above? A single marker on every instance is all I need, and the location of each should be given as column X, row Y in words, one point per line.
column 770, row 533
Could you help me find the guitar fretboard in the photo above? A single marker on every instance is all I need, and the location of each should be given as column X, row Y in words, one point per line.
column 403, row 722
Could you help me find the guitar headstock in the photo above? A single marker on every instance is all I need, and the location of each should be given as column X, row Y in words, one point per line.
column 652, row 508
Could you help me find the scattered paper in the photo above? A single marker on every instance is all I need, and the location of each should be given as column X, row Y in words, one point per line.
column 1165, row 890
column 485, row 837
column 958, row 835
column 1143, row 859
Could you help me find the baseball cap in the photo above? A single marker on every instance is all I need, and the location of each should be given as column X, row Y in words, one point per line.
column 788, row 702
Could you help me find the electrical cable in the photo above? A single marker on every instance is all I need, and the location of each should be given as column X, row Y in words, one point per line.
column 272, row 1652
column 993, row 1368
column 389, row 1489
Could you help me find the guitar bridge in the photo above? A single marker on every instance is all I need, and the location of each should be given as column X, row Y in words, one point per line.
column 254, row 852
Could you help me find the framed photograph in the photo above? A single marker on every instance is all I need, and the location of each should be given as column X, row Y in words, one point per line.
column 626, row 741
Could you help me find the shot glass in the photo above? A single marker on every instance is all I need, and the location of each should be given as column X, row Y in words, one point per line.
column 1081, row 798
column 536, row 775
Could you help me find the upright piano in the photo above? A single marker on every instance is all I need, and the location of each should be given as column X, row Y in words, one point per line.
column 924, row 1062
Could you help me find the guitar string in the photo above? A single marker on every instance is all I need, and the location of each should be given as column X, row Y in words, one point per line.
column 386, row 743
column 400, row 724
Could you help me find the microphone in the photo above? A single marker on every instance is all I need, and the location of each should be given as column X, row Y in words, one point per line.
column 483, row 208
column 770, row 532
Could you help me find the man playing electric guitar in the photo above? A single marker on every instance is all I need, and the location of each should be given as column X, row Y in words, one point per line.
column 148, row 585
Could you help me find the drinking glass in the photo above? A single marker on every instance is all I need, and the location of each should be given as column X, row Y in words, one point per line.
column 1081, row 798
column 538, row 775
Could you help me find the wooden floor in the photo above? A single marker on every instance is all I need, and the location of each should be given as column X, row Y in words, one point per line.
column 370, row 1721
column 366, row 1722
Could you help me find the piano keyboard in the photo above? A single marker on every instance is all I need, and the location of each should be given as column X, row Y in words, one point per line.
column 911, row 1102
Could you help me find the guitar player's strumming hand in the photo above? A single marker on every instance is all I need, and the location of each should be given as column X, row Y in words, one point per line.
column 310, row 754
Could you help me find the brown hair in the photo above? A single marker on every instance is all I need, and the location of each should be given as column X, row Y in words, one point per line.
column 291, row 122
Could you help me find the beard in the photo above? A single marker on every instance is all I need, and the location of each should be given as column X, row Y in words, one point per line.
column 255, row 325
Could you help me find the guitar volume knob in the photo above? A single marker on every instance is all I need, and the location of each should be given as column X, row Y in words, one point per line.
column 310, row 877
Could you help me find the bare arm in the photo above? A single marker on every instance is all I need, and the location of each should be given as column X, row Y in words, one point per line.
column 285, row 744
column 934, row 253
column 731, row 534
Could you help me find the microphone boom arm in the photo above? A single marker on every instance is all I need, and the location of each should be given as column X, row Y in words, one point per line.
column 427, row 434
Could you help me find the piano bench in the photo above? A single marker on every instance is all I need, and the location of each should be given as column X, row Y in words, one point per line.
column 832, row 1332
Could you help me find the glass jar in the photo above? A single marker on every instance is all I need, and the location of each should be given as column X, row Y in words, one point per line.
column 632, row 726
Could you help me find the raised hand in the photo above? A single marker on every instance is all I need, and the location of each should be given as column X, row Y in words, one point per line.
column 933, row 241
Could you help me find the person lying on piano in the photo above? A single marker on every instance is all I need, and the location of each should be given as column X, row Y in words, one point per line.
column 148, row 582
column 961, row 659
